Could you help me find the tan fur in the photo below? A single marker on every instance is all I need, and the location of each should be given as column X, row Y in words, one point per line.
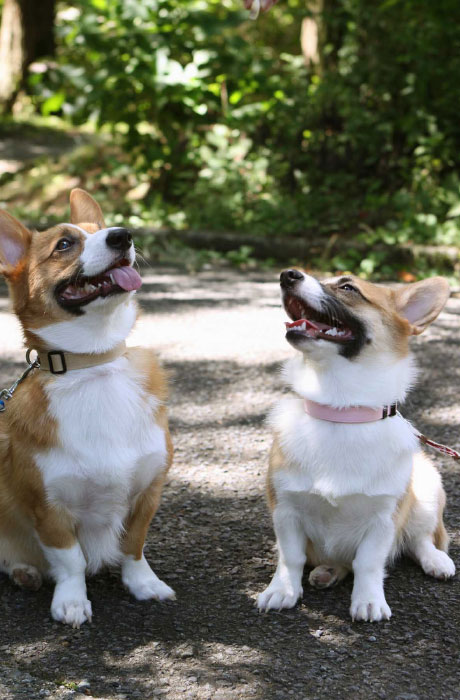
column 378, row 308
column 26, row 427
column 403, row 510
column 33, row 280
column 408, row 504
column 276, row 463
column 154, row 376
column 84, row 208
column 387, row 311
column 381, row 307
column 147, row 503
column 440, row 536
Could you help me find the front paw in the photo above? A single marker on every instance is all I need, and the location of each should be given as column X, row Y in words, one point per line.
column 142, row 582
column 151, row 588
column 278, row 596
column 367, row 609
column 70, row 607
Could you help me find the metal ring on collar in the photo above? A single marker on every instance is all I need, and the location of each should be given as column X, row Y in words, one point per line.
column 29, row 361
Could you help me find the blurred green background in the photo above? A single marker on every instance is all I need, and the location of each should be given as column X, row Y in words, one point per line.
column 327, row 130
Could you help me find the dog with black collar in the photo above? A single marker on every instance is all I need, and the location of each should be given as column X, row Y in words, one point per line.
column 84, row 439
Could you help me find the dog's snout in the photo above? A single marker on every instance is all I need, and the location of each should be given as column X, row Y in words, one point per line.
column 119, row 239
column 290, row 277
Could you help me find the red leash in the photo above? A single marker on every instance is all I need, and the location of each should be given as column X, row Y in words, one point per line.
column 437, row 446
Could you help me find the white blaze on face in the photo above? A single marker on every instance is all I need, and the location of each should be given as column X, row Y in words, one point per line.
column 308, row 289
column 108, row 319
column 97, row 256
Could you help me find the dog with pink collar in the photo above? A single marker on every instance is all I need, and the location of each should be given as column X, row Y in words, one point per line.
column 348, row 485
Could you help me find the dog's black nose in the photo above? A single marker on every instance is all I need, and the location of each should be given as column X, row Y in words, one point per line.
column 290, row 277
column 119, row 239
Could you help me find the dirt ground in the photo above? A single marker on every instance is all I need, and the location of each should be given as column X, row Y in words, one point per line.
column 221, row 335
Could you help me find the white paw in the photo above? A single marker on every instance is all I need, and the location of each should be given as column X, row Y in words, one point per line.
column 278, row 596
column 142, row 582
column 71, row 610
column 151, row 587
column 370, row 610
column 438, row 564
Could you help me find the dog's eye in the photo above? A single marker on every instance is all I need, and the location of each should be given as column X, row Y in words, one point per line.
column 64, row 244
column 348, row 288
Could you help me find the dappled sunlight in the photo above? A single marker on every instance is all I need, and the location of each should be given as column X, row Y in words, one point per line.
column 221, row 337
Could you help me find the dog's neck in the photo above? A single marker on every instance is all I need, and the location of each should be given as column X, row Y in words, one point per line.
column 89, row 333
column 374, row 382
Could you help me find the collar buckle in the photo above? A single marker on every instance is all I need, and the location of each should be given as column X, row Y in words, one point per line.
column 390, row 411
column 57, row 363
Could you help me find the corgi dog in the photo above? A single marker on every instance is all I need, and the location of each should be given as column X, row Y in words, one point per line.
column 84, row 440
column 348, row 487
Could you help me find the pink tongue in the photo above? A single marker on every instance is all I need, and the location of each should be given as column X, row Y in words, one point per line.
column 126, row 277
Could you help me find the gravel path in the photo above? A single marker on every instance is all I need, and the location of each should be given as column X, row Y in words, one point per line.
column 221, row 335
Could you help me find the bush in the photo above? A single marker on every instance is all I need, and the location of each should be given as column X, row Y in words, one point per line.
column 225, row 124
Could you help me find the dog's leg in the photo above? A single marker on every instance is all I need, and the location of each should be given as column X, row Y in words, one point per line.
column 21, row 558
column 326, row 576
column 286, row 586
column 434, row 562
column 67, row 563
column 426, row 541
column 425, row 537
column 368, row 599
column 136, row 573
column 70, row 604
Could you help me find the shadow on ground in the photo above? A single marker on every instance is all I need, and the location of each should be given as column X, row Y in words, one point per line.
column 212, row 541
column 216, row 552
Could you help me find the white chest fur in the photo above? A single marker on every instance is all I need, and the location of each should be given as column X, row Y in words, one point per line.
column 110, row 449
column 339, row 477
column 335, row 459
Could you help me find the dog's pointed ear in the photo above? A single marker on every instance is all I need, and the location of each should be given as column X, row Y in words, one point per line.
column 421, row 302
column 85, row 209
column 14, row 241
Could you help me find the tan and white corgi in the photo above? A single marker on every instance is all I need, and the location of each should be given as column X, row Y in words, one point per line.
column 84, row 441
column 348, row 486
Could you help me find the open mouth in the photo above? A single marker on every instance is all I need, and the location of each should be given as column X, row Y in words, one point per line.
column 80, row 290
column 310, row 323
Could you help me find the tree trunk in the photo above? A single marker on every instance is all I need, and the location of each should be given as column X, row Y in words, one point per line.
column 26, row 33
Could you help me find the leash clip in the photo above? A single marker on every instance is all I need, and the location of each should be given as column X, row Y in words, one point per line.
column 7, row 394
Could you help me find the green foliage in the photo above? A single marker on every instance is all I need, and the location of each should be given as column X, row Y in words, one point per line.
column 225, row 126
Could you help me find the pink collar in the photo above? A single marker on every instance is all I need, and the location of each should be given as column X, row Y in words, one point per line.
column 349, row 414
column 364, row 414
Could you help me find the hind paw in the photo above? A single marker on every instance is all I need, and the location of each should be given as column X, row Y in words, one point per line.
column 325, row 576
column 438, row 564
column 26, row 576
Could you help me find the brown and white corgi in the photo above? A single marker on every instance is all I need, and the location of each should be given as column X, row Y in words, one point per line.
column 348, row 486
column 84, row 441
